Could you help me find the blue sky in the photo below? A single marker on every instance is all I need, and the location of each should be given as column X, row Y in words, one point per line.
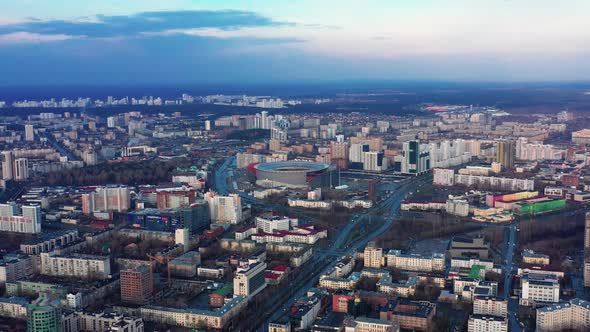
column 190, row 41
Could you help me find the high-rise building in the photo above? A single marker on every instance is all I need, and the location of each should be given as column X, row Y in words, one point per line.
column 373, row 256
column 356, row 152
column 182, row 236
column 29, row 133
column 414, row 159
column 17, row 169
column 21, row 169
column 29, row 221
column 264, row 120
column 107, row 199
column 374, row 161
column 280, row 134
column 89, row 157
column 375, row 143
column 537, row 151
column 249, row 279
column 506, row 153
column 339, row 150
column 8, row 165
column 175, row 198
column 42, row 316
column 224, row 209
column 274, row 145
column 111, row 122
column 587, row 233
column 137, row 285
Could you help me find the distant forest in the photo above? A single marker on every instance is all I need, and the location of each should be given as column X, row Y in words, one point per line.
column 249, row 134
column 130, row 173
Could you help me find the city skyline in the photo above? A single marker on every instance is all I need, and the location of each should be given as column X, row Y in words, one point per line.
column 181, row 42
column 282, row 166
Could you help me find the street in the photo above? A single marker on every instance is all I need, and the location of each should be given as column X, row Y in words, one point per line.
column 308, row 277
column 509, row 271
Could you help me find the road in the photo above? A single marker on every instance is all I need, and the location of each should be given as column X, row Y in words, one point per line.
column 322, row 260
column 221, row 176
column 509, row 272
column 393, row 203
column 220, row 181
column 62, row 150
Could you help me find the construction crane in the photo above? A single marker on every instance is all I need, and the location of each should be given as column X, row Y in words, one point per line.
column 160, row 259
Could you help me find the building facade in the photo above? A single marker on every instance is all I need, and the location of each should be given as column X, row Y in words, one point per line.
column 573, row 315
column 76, row 265
column 107, row 199
column 26, row 221
column 414, row 262
column 539, row 288
column 137, row 285
column 373, row 256
column 224, row 209
column 481, row 323
column 249, row 280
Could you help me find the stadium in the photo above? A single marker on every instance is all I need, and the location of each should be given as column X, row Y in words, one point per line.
column 291, row 174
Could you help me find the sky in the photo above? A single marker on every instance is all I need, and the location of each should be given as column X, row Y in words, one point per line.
column 60, row 42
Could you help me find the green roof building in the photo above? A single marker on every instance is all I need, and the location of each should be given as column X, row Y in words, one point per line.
column 43, row 317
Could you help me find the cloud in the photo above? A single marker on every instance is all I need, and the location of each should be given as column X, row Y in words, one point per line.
column 256, row 34
column 27, row 37
column 103, row 26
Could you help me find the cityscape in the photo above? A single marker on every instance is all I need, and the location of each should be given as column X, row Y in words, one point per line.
column 239, row 201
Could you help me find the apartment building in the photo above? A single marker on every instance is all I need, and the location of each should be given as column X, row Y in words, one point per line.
column 82, row 321
column 573, row 315
column 365, row 324
column 49, row 241
column 14, row 267
column 194, row 318
column 373, row 256
column 539, row 288
column 337, row 283
column 107, row 199
column 137, row 285
column 20, row 218
column 224, row 209
column 490, row 306
column 402, row 289
column 76, row 265
column 14, row 307
column 415, row 262
column 481, row 323
column 409, row 315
